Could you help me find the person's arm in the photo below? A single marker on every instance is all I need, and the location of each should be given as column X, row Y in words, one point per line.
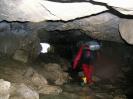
column 77, row 58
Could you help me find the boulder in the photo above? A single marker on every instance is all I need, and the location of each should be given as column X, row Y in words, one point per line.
column 21, row 91
column 54, row 73
column 21, row 55
column 35, row 77
column 4, row 89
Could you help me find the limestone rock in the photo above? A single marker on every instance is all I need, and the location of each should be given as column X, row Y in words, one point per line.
column 54, row 73
column 35, row 78
column 126, row 30
column 21, row 91
column 51, row 67
column 16, row 38
column 40, row 84
column 63, row 78
column 103, row 26
column 48, row 89
column 40, row 10
column 125, row 6
column 20, row 55
column 4, row 89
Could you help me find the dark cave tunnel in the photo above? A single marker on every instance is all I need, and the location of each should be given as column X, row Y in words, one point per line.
column 113, row 66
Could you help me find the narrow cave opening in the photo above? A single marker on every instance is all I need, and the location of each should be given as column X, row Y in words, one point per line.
column 45, row 47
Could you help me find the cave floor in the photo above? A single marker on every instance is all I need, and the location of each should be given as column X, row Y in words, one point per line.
column 13, row 71
column 96, row 91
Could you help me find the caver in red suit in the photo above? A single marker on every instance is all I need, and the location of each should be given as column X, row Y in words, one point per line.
column 85, row 56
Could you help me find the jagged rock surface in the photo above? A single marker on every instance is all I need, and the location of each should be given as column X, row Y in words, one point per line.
column 41, row 10
column 20, row 40
column 15, row 38
column 103, row 26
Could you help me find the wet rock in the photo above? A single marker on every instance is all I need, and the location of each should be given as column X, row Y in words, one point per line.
column 4, row 89
column 21, row 91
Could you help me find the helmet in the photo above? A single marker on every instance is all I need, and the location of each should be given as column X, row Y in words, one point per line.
column 93, row 45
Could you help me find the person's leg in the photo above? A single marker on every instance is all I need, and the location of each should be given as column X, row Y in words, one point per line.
column 88, row 70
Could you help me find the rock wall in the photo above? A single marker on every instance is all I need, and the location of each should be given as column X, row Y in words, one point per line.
column 21, row 40
column 125, row 28
column 17, row 38
column 87, row 15
column 103, row 26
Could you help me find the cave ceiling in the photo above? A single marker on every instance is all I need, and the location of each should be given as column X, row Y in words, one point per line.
column 101, row 19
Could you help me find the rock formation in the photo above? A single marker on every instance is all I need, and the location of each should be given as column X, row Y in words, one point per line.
column 99, row 19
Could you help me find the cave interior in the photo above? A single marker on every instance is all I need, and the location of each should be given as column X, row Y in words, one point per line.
column 21, row 59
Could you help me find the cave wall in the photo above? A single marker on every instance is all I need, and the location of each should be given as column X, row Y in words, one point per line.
column 16, row 38
column 23, row 38
column 103, row 26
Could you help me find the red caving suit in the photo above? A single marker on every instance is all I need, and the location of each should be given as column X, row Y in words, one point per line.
column 84, row 54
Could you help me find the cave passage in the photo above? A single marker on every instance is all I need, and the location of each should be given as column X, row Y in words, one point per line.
column 112, row 70
column 39, row 40
column 26, row 65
